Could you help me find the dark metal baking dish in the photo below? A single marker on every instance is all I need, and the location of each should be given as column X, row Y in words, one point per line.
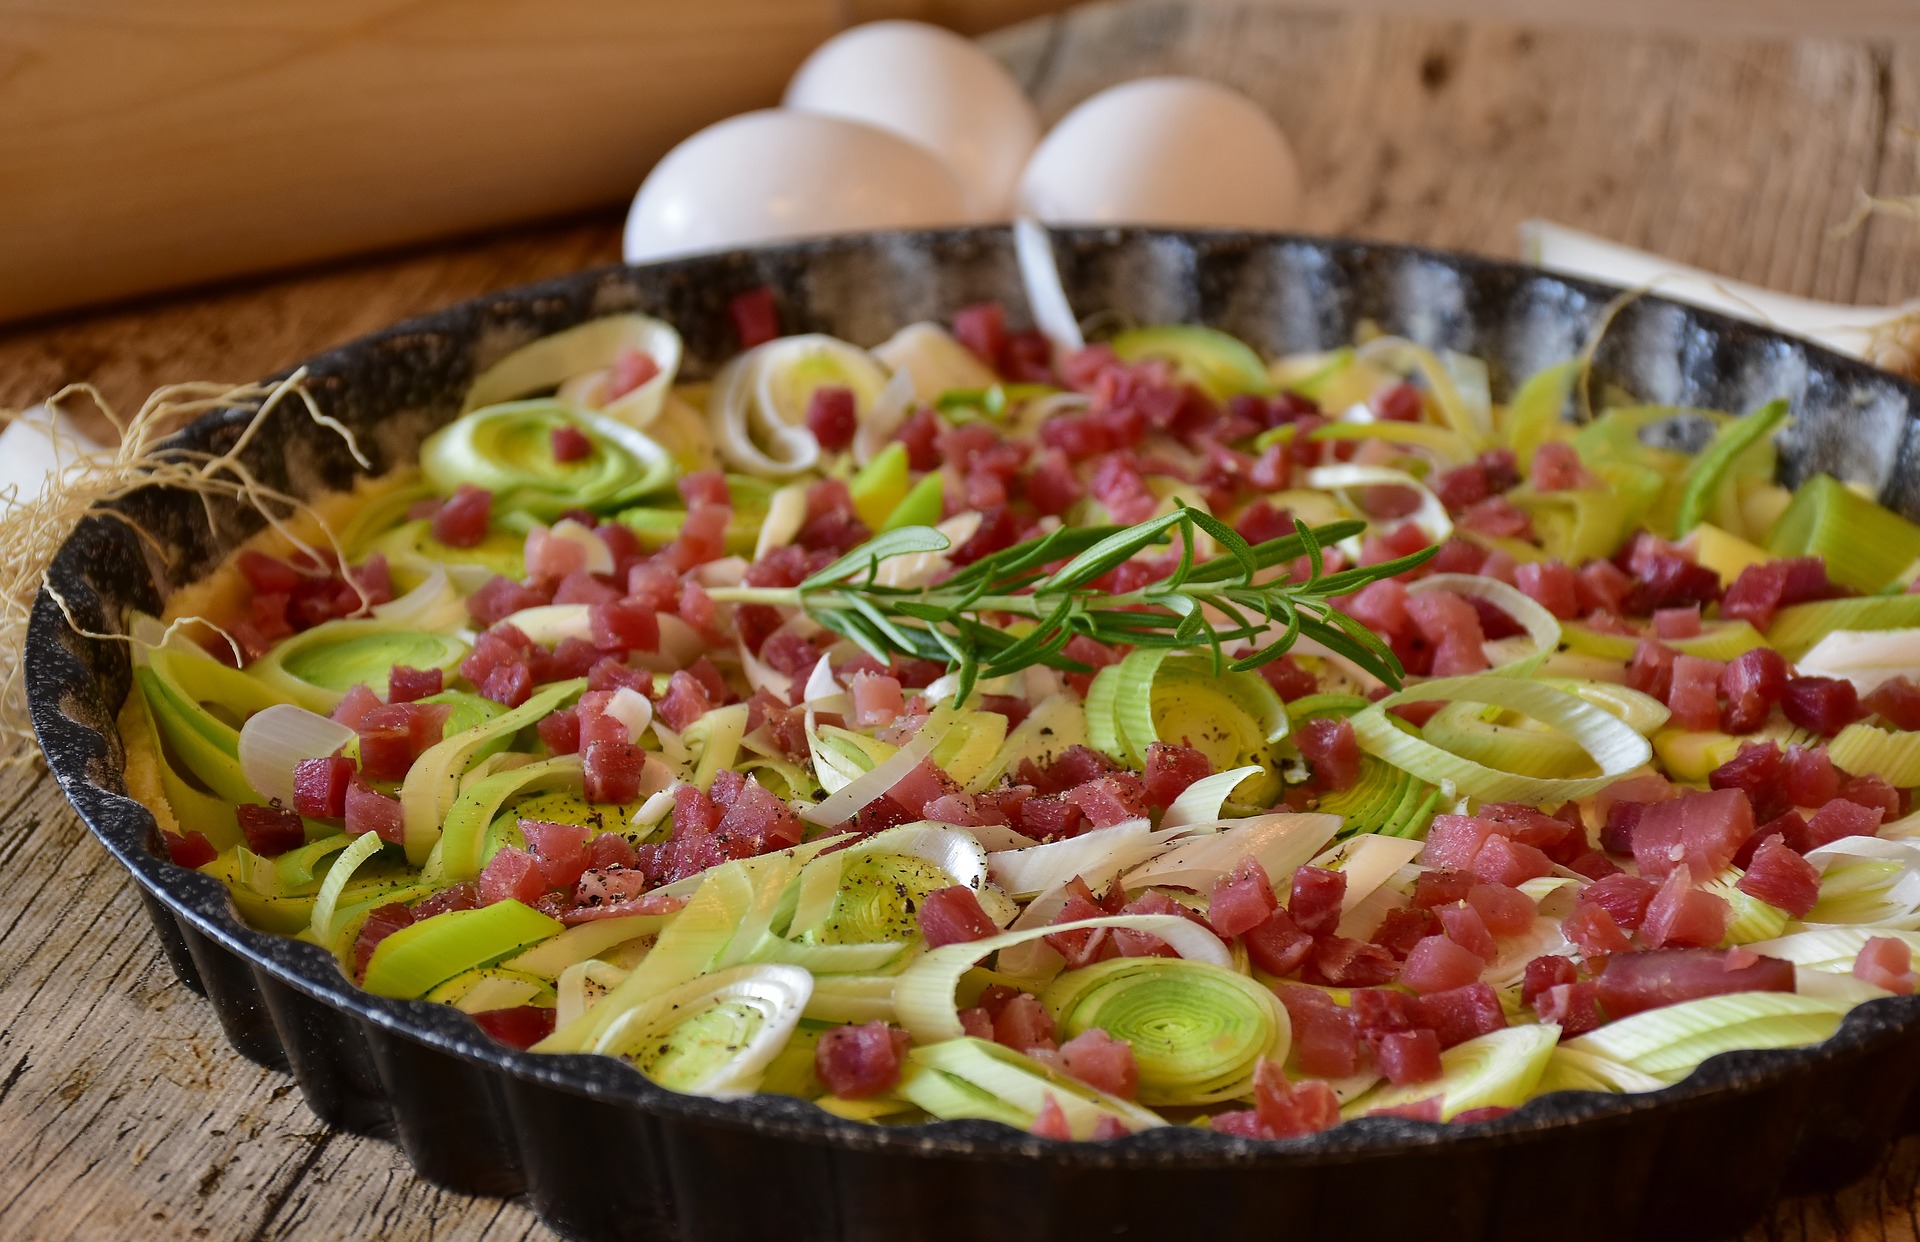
column 602, row 1153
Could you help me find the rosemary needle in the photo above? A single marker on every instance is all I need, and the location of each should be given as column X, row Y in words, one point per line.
column 1202, row 603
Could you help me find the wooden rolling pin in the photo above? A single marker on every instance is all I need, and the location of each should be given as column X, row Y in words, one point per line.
column 147, row 144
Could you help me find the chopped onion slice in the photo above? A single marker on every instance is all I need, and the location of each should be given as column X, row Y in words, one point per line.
column 758, row 408
column 1046, row 296
column 932, row 362
column 632, row 709
column 548, row 624
column 274, row 740
column 786, row 514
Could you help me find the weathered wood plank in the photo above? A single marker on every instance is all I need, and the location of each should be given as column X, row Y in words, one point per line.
column 121, row 1107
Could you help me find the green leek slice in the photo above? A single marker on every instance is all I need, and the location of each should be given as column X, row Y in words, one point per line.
column 881, row 485
column 1830, row 950
column 1614, row 746
column 484, row 988
column 1863, row 749
column 1669, row 1042
column 1222, row 365
column 1534, row 414
column 1055, row 724
column 1444, row 444
column 411, row 961
column 1384, row 800
column 411, row 546
column 1865, row 545
column 317, row 667
column 433, row 783
column 1472, row 419
column 921, row 506
column 1499, row 1069
column 1231, row 717
column 508, row 450
column 877, row 899
column 548, row 959
column 1717, row 640
column 463, row 834
column 1710, row 471
column 973, row 1078
column 713, row 1035
column 1198, row 1031
column 1753, row 919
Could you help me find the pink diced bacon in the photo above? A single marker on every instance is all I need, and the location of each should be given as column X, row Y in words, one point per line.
column 1887, row 963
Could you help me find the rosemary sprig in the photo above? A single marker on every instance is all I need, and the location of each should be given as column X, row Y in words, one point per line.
column 1201, row 604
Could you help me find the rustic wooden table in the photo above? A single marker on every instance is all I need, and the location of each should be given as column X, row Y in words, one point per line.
column 123, row 1111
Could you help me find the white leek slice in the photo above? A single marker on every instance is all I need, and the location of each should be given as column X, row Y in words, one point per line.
column 1397, row 354
column 1055, row 724
column 715, row 1034
column 1497, row 1070
column 1046, row 295
column 1614, row 746
column 1095, row 857
column 1829, row 949
column 924, row 996
column 1431, row 517
column 549, row 958
column 583, row 351
column 1543, row 628
column 433, row 604
column 273, row 741
column 1867, row 658
column 583, row 985
column 1670, row 1041
column 786, row 514
column 973, row 1078
column 1570, row 1070
column 841, row 804
column 933, row 362
column 548, row 624
column 1849, row 329
column 567, row 530
column 1368, row 860
column 1280, row 842
column 1200, row 802
column 325, row 927
column 758, row 407
column 852, row 998
column 953, row 850
column 632, row 709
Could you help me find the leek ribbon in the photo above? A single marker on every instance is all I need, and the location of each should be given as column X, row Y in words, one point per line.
column 413, row 960
column 1198, row 1031
column 1498, row 1069
column 508, row 450
column 1614, row 746
column 316, row 668
column 972, row 1078
column 713, row 1035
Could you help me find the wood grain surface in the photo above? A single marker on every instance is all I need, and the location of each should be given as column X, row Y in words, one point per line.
column 122, row 1111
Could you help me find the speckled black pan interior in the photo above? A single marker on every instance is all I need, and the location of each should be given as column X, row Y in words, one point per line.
column 601, row 1153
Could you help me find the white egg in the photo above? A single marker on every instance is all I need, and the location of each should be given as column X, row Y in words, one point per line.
column 934, row 87
column 771, row 175
column 1172, row 151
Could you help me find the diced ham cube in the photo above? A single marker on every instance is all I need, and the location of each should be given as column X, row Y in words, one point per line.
column 1292, row 1110
column 560, row 732
column 1873, row 792
column 521, row 1027
column 1170, row 769
column 854, row 1062
column 953, row 916
column 1462, row 1013
column 1546, row 971
column 1325, row 1037
column 1409, row 1056
column 1439, row 964
column 1443, row 886
column 1594, row 931
column 1624, row 897
column 1694, row 694
column 1808, row 777
column 755, row 315
column 381, row 922
column 1651, row 669
column 570, row 444
column 270, row 830
column 499, row 599
column 1824, row 705
column 386, row 742
column 368, row 810
column 461, row 521
column 1841, row 818
column 320, row 786
column 1552, row 585
column 1573, row 1007
column 832, row 416
column 1381, row 607
column 1402, row 928
column 1752, row 683
column 509, row 685
column 1467, row 929
column 1782, row 878
column 611, row 771
column 1110, row 800
column 1897, row 701
column 1314, row 903
column 1886, row 962
column 1505, row 911
column 1332, row 750
column 1633, row 982
column 1102, row 1062
column 512, row 875
column 408, row 685
column 685, row 701
column 1453, row 841
column 559, row 849
column 877, row 700
column 1278, row 946
column 353, row 708
column 1023, row 1023
column 1703, row 830
column 1502, row 860
column 1341, row 962
column 1684, row 917
column 624, row 625
column 1241, row 901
